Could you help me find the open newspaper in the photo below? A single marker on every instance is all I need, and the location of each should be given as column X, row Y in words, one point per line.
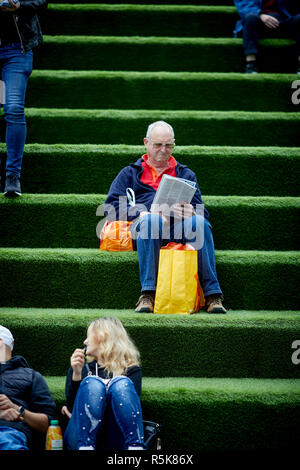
column 173, row 190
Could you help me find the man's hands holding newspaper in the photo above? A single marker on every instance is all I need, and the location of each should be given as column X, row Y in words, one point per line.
column 179, row 211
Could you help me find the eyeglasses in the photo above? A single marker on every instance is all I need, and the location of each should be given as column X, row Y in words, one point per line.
column 158, row 145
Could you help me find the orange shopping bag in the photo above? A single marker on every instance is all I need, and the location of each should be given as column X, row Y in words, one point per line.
column 178, row 288
column 116, row 236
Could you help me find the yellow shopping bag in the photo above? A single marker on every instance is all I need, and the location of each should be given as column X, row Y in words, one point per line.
column 178, row 288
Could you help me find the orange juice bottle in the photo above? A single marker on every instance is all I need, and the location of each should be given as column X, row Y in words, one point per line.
column 54, row 439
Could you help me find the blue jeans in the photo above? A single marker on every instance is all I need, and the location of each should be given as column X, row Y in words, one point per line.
column 254, row 28
column 12, row 439
column 150, row 234
column 94, row 398
column 15, row 69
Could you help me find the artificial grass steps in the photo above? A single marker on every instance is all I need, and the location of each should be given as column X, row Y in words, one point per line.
column 143, row 20
column 83, row 169
column 185, row 90
column 114, row 126
column 239, row 344
column 218, row 414
column 138, row 53
column 249, row 222
column 82, row 278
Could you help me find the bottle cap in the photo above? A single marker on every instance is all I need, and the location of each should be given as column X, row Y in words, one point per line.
column 54, row 422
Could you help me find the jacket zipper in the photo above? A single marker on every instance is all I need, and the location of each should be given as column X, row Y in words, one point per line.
column 16, row 18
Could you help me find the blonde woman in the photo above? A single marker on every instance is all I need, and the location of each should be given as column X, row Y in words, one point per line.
column 103, row 393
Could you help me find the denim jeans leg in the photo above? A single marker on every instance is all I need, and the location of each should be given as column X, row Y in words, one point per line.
column 16, row 68
column 126, row 408
column 12, row 439
column 148, row 232
column 87, row 415
column 197, row 231
column 251, row 26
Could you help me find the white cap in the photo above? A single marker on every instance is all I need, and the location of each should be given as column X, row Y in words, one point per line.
column 7, row 337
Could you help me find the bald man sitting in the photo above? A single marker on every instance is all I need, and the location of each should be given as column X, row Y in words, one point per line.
column 151, row 229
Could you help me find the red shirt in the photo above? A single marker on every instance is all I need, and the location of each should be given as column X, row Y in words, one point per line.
column 270, row 6
column 149, row 175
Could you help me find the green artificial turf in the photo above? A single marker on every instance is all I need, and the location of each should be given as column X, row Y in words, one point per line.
column 143, row 20
column 71, row 221
column 114, row 126
column 160, row 53
column 173, row 90
column 247, row 413
column 239, row 344
column 84, row 169
column 82, row 278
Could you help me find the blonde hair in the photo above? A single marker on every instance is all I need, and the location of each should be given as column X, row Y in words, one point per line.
column 116, row 350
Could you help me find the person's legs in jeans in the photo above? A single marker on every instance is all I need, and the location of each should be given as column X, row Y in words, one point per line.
column 12, row 439
column 16, row 68
column 87, row 415
column 125, row 406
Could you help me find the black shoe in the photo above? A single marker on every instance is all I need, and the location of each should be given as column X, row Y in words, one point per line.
column 12, row 186
column 251, row 67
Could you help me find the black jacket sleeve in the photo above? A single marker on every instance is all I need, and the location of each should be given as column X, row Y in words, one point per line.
column 32, row 6
column 41, row 398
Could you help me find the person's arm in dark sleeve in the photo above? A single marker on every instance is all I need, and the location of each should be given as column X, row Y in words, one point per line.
column 135, row 374
column 32, row 6
column 42, row 407
column 116, row 204
column 197, row 201
column 71, row 389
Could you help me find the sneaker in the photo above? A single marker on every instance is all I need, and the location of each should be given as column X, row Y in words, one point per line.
column 145, row 304
column 213, row 304
column 12, row 186
column 251, row 67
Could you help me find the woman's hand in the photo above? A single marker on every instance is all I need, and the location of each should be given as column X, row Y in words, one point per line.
column 66, row 412
column 77, row 363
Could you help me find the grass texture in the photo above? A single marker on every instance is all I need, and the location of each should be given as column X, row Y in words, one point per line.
column 229, row 128
column 71, row 221
column 226, row 171
column 160, row 53
column 81, row 278
column 239, row 344
column 143, row 20
column 151, row 90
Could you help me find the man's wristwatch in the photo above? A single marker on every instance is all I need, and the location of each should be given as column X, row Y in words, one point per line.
column 21, row 410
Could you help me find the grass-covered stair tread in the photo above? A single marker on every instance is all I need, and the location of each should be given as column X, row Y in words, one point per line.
column 185, row 90
column 239, row 344
column 71, row 220
column 247, row 413
column 82, row 278
column 114, row 126
column 143, row 20
column 155, row 53
column 90, row 168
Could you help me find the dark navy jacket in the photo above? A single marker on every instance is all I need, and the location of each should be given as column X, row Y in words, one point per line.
column 129, row 177
column 245, row 7
column 26, row 23
column 24, row 386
